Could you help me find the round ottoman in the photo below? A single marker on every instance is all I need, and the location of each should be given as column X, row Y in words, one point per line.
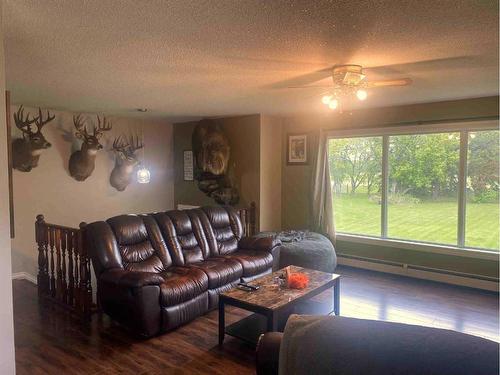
column 306, row 249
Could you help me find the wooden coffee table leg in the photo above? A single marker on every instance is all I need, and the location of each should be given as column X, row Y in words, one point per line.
column 271, row 322
column 336, row 297
column 222, row 327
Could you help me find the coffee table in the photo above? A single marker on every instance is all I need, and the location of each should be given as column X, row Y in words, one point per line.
column 273, row 304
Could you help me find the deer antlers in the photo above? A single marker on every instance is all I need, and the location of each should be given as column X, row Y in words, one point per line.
column 121, row 144
column 81, row 128
column 101, row 128
column 135, row 143
column 24, row 124
column 40, row 122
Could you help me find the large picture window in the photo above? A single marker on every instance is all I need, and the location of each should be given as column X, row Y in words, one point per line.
column 481, row 222
column 423, row 178
column 438, row 187
column 356, row 169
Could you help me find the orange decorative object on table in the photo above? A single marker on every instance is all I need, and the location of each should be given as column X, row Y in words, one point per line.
column 298, row 280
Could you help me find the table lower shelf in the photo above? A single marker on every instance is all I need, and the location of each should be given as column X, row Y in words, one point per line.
column 250, row 328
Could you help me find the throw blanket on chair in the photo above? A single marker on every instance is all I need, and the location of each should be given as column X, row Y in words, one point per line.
column 338, row 345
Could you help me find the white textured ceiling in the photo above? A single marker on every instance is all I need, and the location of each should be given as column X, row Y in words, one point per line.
column 211, row 58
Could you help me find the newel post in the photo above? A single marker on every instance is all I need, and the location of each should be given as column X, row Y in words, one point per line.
column 85, row 275
column 41, row 240
column 253, row 218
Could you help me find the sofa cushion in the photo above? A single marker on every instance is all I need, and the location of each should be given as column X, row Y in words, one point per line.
column 182, row 284
column 225, row 229
column 140, row 243
column 220, row 271
column 253, row 262
column 183, row 235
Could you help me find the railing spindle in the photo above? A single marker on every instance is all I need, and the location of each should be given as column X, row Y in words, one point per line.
column 64, row 241
column 77, row 271
column 57, row 238
column 52, row 276
column 71, row 277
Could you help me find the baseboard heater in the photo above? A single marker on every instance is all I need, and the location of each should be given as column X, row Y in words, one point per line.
column 421, row 272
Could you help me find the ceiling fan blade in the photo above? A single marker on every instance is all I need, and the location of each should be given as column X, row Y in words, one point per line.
column 304, row 79
column 455, row 62
column 310, row 87
column 391, row 82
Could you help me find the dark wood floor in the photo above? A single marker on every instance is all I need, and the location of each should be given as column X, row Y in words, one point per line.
column 50, row 342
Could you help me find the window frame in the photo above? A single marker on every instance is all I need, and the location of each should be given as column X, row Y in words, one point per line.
column 464, row 127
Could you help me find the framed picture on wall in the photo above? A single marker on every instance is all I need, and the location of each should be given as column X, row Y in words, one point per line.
column 188, row 166
column 297, row 149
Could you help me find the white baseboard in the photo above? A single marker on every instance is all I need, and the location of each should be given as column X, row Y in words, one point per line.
column 406, row 270
column 24, row 276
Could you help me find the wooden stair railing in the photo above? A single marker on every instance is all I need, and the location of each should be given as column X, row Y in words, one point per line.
column 64, row 267
column 64, row 274
column 248, row 219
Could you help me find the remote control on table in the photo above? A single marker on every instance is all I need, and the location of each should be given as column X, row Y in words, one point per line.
column 248, row 286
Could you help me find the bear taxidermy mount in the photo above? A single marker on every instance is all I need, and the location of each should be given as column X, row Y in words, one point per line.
column 211, row 148
column 211, row 160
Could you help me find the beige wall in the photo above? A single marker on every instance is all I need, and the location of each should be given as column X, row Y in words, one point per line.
column 49, row 190
column 270, row 173
column 7, row 362
column 296, row 180
column 243, row 133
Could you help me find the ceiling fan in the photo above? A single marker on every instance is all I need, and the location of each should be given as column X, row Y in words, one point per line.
column 349, row 81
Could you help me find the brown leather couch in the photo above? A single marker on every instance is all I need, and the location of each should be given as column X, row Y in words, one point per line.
column 158, row 271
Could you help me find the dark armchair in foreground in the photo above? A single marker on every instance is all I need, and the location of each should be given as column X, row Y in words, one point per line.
column 338, row 345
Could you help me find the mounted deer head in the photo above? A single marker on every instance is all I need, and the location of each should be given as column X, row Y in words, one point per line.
column 82, row 162
column 125, row 161
column 26, row 150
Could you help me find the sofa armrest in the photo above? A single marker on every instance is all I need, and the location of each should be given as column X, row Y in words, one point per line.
column 267, row 353
column 259, row 243
column 130, row 279
column 131, row 298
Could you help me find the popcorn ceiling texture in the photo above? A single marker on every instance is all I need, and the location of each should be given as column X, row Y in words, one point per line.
column 211, row 58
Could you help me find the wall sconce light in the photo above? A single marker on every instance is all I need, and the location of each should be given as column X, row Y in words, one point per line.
column 143, row 175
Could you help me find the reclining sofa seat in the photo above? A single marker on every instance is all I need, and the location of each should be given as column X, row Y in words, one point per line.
column 188, row 245
column 224, row 234
column 158, row 271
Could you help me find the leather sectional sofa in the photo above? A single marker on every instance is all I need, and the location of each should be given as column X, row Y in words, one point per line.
column 157, row 271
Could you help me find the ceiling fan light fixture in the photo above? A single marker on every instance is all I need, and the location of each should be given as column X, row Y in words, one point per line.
column 334, row 103
column 326, row 99
column 361, row 94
